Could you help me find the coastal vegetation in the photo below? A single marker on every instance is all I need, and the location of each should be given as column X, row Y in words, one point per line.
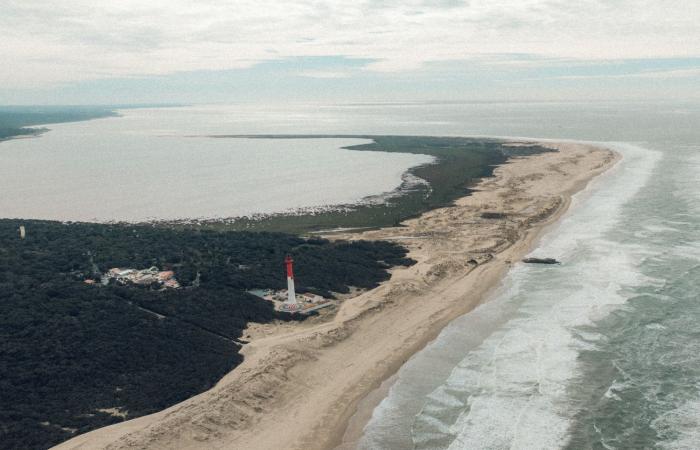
column 76, row 356
column 459, row 164
column 15, row 119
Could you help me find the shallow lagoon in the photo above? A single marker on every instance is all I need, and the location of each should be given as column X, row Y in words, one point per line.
column 137, row 168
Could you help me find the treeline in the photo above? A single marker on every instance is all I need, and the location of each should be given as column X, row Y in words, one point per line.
column 459, row 164
column 6, row 132
column 14, row 119
column 71, row 352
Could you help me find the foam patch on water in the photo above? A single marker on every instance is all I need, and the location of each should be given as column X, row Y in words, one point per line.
column 615, row 388
column 509, row 388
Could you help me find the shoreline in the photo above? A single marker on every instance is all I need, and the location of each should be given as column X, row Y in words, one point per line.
column 354, row 428
column 441, row 170
column 457, row 163
column 290, row 380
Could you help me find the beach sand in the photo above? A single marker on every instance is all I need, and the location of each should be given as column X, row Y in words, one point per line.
column 301, row 384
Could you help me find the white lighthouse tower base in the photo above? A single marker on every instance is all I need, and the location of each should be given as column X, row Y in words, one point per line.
column 291, row 303
column 291, row 293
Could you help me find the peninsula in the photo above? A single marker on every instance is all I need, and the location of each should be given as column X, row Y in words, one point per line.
column 301, row 383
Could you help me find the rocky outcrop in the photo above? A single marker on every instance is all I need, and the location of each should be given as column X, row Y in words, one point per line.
column 541, row 261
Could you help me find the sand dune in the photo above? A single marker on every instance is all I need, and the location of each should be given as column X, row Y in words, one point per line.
column 301, row 383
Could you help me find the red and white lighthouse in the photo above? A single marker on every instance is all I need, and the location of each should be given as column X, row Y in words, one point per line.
column 291, row 302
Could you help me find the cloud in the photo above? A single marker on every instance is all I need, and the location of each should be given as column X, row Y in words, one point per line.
column 645, row 74
column 324, row 74
column 45, row 42
column 677, row 73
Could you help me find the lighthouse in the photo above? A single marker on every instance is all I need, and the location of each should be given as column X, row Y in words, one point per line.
column 291, row 302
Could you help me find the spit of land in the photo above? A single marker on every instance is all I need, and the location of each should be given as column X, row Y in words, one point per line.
column 300, row 384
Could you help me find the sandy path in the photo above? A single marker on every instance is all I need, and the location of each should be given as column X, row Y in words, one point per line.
column 300, row 383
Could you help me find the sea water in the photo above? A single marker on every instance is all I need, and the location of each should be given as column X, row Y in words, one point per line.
column 161, row 164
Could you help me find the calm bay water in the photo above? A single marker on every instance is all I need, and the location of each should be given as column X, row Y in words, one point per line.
column 600, row 352
column 159, row 164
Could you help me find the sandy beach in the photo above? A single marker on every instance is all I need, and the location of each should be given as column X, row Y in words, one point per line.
column 301, row 384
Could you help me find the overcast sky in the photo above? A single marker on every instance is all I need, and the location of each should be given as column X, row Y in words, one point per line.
column 125, row 51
